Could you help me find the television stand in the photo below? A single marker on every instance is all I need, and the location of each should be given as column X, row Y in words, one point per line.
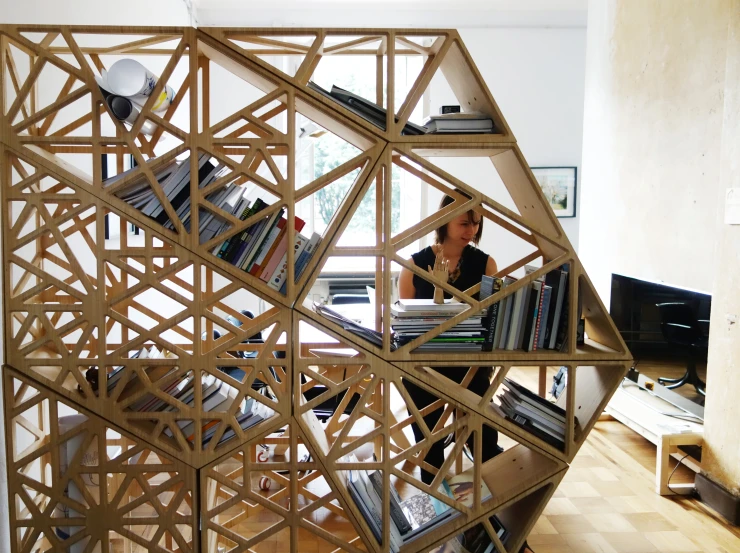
column 653, row 415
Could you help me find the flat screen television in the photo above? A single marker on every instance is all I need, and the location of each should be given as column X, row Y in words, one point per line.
column 633, row 309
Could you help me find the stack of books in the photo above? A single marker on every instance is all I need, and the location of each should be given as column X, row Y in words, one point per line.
column 216, row 396
column 365, row 489
column 411, row 318
column 534, row 317
column 532, row 412
column 460, row 123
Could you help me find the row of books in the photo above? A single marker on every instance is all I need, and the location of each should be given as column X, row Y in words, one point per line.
column 174, row 179
column 261, row 249
column 366, row 490
column 446, row 123
column 538, row 416
column 534, row 317
column 411, row 318
column 217, row 395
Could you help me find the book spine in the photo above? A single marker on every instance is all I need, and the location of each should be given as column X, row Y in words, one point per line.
column 561, row 340
column 281, row 271
column 563, row 283
column 516, row 311
column 228, row 245
column 299, row 266
column 504, row 317
column 247, row 243
column 273, row 255
column 304, row 259
column 256, row 241
column 492, row 316
column 542, row 322
column 552, row 279
column 281, row 249
column 524, row 317
column 268, row 235
column 270, row 239
column 534, row 336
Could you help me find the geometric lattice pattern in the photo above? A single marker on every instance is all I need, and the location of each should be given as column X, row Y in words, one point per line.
column 78, row 484
column 104, row 327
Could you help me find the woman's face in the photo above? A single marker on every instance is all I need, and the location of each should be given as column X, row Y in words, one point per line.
column 463, row 229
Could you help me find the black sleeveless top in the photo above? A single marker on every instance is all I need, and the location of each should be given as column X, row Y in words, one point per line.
column 472, row 268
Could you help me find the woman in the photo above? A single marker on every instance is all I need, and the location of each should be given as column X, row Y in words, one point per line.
column 454, row 243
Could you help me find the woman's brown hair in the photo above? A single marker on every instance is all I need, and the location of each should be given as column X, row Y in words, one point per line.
column 441, row 233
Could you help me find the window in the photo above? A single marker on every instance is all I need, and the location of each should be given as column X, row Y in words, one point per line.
column 319, row 151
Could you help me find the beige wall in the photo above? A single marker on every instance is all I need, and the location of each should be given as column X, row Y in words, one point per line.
column 722, row 459
column 660, row 148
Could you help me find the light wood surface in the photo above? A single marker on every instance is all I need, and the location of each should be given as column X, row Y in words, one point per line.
column 74, row 301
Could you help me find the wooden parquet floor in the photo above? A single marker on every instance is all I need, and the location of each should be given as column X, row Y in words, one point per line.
column 607, row 504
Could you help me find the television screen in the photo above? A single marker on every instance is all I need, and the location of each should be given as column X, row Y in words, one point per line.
column 633, row 309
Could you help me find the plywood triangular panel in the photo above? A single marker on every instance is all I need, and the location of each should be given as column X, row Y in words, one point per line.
column 419, row 53
column 80, row 482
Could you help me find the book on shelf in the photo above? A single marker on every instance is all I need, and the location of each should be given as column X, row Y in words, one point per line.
column 538, row 416
column 365, row 490
column 526, row 320
column 304, row 249
column 560, row 330
column 261, row 249
column 557, row 280
column 517, row 306
column 372, row 336
column 138, row 193
column 364, row 108
column 459, row 123
column 174, row 180
column 459, row 488
column 490, row 286
column 530, row 316
column 544, row 311
column 449, row 307
column 216, row 395
column 262, row 240
column 397, row 515
column 229, row 248
column 475, row 539
column 411, row 318
column 279, row 248
column 251, row 413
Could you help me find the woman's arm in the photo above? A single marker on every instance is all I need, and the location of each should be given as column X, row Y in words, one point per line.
column 491, row 268
column 406, row 288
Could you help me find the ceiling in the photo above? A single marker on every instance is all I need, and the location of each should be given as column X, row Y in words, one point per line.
column 391, row 13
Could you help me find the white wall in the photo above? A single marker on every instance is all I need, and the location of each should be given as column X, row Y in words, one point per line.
column 93, row 12
column 536, row 76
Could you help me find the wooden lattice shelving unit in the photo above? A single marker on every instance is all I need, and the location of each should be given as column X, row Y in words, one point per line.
column 80, row 291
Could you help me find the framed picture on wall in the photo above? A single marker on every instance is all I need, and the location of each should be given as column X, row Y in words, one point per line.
column 559, row 186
